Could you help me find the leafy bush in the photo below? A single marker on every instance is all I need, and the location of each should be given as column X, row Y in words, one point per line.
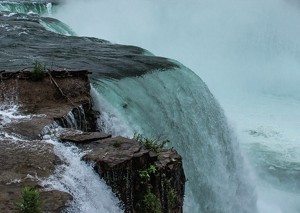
column 145, row 174
column 30, row 201
column 39, row 71
column 154, row 144
column 151, row 203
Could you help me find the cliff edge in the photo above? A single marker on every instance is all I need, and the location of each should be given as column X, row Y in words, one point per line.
column 144, row 179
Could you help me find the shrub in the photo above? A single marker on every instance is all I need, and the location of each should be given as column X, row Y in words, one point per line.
column 38, row 72
column 30, row 201
column 151, row 203
column 154, row 144
column 145, row 174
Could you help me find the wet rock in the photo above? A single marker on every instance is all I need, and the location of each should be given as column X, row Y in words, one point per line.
column 82, row 137
column 26, row 163
column 104, row 59
column 55, row 201
column 48, row 99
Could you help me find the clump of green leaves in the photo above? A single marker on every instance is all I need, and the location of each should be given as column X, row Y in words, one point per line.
column 149, row 202
column 154, row 144
column 30, row 201
column 145, row 174
column 39, row 71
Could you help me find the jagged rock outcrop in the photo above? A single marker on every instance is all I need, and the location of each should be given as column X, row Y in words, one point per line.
column 144, row 180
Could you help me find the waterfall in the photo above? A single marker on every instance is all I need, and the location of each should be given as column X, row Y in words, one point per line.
column 41, row 8
column 178, row 105
column 56, row 27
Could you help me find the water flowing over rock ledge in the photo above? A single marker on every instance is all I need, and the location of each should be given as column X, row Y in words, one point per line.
column 64, row 97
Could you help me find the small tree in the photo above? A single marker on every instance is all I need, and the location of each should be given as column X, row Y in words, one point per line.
column 30, row 201
column 38, row 72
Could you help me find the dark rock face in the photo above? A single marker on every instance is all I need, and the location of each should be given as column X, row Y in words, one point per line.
column 123, row 163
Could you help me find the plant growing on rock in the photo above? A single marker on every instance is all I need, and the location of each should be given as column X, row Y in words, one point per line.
column 145, row 174
column 171, row 195
column 149, row 203
column 39, row 71
column 153, row 144
column 30, row 201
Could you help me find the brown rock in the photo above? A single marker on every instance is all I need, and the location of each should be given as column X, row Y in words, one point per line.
column 25, row 163
column 55, row 201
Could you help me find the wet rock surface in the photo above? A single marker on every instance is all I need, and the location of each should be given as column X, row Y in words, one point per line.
column 82, row 137
column 46, row 100
column 26, row 163
column 24, row 41
column 25, row 160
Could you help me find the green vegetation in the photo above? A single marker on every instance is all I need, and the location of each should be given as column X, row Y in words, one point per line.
column 117, row 144
column 154, row 144
column 145, row 174
column 39, row 71
column 171, row 195
column 30, row 201
column 149, row 203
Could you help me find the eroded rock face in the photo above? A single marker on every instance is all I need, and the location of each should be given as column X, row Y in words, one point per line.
column 48, row 99
column 123, row 164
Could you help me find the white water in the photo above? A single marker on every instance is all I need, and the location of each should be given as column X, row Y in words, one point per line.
column 248, row 54
column 90, row 193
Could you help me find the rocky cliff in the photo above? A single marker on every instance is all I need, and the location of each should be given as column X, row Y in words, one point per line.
column 144, row 180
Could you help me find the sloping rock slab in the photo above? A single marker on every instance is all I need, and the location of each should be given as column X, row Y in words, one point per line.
column 82, row 137
column 55, row 201
column 114, row 151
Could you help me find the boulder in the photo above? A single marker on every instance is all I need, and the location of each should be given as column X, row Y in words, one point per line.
column 137, row 174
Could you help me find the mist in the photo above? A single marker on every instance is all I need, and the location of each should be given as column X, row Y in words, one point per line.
column 249, row 45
